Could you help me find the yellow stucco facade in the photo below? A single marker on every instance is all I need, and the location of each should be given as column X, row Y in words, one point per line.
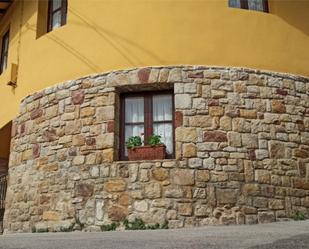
column 104, row 35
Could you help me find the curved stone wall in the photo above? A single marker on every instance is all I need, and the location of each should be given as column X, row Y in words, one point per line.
column 242, row 152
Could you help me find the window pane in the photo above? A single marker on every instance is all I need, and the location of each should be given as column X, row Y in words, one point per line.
column 162, row 107
column 234, row 3
column 6, row 43
column 134, row 109
column 166, row 133
column 255, row 5
column 133, row 130
column 56, row 4
column 56, row 20
column 5, row 62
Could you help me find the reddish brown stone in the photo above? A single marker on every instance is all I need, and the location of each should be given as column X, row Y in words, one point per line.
column 301, row 183
column 196, row 75
column 252, row 155
column 278, row 106
column 50, row 135
column 45, row 199
column 83, row 189
column 36, row 151
column 302, row 152
column 282, row 92
column 300, row 125
column 110, row 126
column 213, row 102
column 215, row 136
column 78, row 97
column 178, row 119
column 36, row 113
column 117, row 213
column 90, row 141
column 22, row 128
column 143, row 75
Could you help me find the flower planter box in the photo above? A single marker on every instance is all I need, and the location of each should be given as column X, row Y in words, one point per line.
column 147, row 152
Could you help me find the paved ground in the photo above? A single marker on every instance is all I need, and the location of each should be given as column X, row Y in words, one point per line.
column 283, row 235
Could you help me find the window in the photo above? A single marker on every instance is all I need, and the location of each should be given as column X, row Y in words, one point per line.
column 4, row 51
column 144, row 114
column 57, row 14
column 259, row 5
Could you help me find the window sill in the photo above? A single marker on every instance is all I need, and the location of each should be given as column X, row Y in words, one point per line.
column 146, row 161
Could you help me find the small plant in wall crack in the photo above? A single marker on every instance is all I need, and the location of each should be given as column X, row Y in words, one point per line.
column 139, row 224
column 298, row 216
column 109, row 227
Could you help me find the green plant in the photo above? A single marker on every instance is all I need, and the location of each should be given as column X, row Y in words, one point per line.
column 78, row 222
column 133, row 141
column 42, row 230
column 33, row 229
column 164, row 225
column 154, row 140
column 109, row 227
column 67, row 229
column 139, row 224
column 298, row 216
column 153, row 227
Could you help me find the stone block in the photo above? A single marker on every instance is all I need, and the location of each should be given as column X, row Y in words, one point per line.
column 215, row 136
column 182, row 177
column 249, row 114
column 262, row 176
column 185, row 209
column 105, row 113
column 189, row 150
column 201, row 121
column 116, row 185
column 227, row 196
column 202, row 175
column 266, row 217
column 173, row 191
column 276, row 204
column 277, row 149
column 141, row 206
column 152, row 190
column 160, row 174
column 216, row 111
column 51, row 216
column 278, row 106
column 183, row 101
column 234, row 139
column 249, row 141
column 117, row 213
column 186, row 134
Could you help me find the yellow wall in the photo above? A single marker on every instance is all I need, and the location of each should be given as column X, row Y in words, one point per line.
column 103, row 35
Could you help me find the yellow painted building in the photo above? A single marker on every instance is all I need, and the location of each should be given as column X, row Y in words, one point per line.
column 105, row 35
column 219, row 81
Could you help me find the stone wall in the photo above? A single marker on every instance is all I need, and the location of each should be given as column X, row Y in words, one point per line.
column 242, row 152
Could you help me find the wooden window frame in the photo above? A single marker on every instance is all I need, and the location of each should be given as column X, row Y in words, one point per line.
column 245, row 5
column 4, row 53
column 148, row 118
column 63, row 10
